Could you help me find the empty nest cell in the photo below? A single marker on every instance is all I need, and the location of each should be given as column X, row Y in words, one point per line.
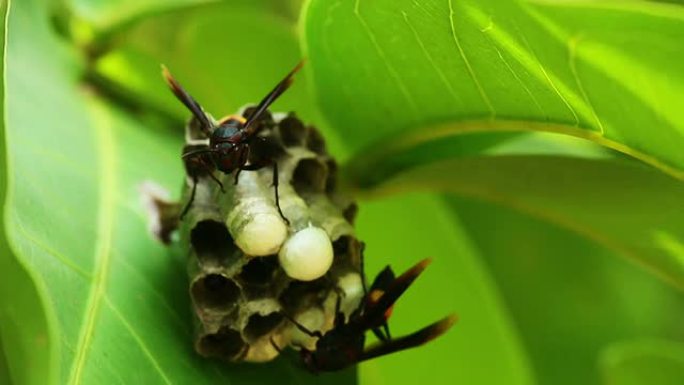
column 309, row 176
column 292, row 131
column 211, row 240
column 225, row 344
column 259, row 325
column 215, row 291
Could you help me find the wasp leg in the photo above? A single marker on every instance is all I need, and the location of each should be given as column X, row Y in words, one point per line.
column 192, row 198
column 275, row 346
column 212, row 176
column 261, row 164
column 303, row 328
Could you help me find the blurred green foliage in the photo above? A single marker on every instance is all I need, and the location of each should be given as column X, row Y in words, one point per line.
column 555, row 128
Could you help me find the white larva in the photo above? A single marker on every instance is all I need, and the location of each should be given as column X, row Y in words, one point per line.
column 307, row 255
column 262, row 235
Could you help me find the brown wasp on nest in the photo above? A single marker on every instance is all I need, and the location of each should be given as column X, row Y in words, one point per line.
column 272, row 255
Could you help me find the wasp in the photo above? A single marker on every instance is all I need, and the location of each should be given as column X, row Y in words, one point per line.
column 344, row 344
column 230, row 140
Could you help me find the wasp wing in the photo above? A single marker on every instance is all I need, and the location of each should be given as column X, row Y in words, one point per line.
column 271, row 97
column 380, row 284
column 188, row 101
column 374, row 313
column 383, row 280
column 412, row 340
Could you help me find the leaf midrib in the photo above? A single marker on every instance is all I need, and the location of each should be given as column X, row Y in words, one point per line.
column 412, row 137
column 105, row 142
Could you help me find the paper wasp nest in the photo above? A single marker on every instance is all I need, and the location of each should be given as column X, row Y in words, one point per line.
column 239, row 298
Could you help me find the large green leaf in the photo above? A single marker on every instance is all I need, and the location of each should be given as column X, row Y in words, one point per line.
column 466, row 66
column 23, row 327
column 431, row 73
column 644, row 362
column 628, row 207
column 110, row 17
column 569, row 297
column 115, row 301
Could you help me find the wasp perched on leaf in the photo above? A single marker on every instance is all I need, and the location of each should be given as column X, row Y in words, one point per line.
column 344, row 344
column 230, row 139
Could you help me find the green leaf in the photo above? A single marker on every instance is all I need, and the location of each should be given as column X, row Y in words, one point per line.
column 24, row 344
column 116, row 302
column 644, row 362
column 569, row 297
column 4, row 369
column 587, row 196
column 419, row 71
column 431, row 73
column 108, row 14
column 110, row 17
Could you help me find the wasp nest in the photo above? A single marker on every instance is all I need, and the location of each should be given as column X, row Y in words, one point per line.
column 248, row 267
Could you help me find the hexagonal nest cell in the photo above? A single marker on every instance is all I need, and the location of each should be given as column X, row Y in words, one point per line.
column 241, row 301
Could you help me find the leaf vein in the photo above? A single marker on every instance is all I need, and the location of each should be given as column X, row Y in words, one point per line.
column 471, row 72
column 143, row 347
column 103, row 246
column 441, row 74
column 31, row 238
column 522, row 84
column 383, row 57
column 572, row 59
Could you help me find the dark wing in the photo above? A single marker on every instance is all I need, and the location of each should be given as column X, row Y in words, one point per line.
column 383, row 280
column 412, row 340
column 374, row 313
column 188, row 101
column 271, row 97
column 380, row 284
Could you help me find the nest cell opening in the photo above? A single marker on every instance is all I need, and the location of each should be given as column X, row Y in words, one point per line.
column 309, row 176
column 226, row 343
column 259, row 325
column 298, row 293
column 331, row 180
column 292, row 131
column 341, row 246
column 350, row 212
column 315, row 142
column 215, row 291
column 259, row 270
column 211, row 239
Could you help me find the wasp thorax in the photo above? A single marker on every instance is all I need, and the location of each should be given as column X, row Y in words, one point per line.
column 228, row 132
column 248, row 266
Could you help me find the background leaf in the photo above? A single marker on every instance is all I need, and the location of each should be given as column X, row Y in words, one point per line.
column 484, row 68
column 586, row 196
column 455, row 282
column 644, row 362
column 570, row 297
column 485, row 64
column 23, row 328
column 116, row 302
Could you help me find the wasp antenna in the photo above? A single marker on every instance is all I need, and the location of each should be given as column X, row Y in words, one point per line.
column 187, row 100
column 272, row 96
column 412, row 340
column 440, row 327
